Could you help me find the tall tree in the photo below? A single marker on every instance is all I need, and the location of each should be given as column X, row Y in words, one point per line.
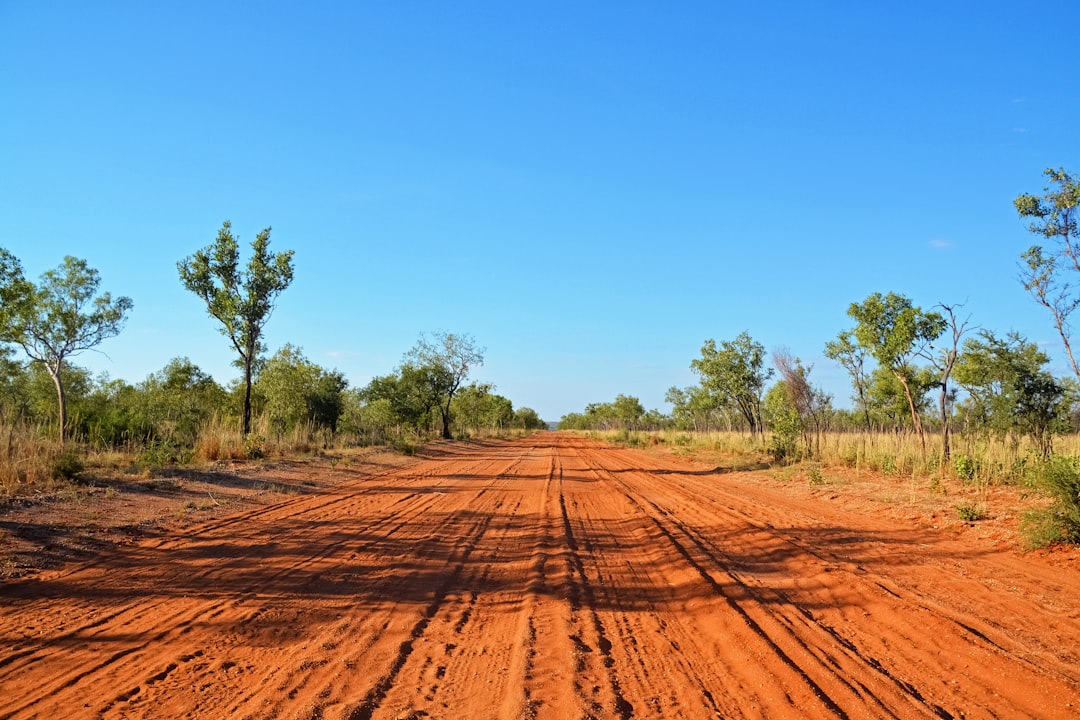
column 735, row 371
column 242, row 300
column 895, row 332
column 1054, row 216
column 944, row 360
column 60, row 317
column 456, row 355
column 846, row 351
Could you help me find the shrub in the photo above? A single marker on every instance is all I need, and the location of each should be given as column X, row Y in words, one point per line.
column 66, row 466
column 253, row 446
column 813, row 474
column 1058, row 477
column 970, row 511
column 965, row 467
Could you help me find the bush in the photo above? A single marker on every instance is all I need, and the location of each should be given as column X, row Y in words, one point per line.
column 1058, row 477
column 965, row 467
column 66, row 466
column 253, row 447
column 970, row 512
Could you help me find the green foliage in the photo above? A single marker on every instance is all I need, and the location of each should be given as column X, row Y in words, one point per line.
column 477, row 408
column 241, row 300
column 894, row 332
column 1043, row 273
column 298, row 393
column 965, row 467
column 970, row 511
column 62, row 316
column 735, row 372
column 528, row 419
column 787, row 426
column 164, row 453
column 450, row 357
column 1059, row 477
column 625, row 413
column 852, row 357
column 254, row 446
column 814, row 476
column 1010, row 391
column 67, row 465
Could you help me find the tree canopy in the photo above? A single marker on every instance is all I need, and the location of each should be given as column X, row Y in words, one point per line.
column 62, row 316
column 242, row 300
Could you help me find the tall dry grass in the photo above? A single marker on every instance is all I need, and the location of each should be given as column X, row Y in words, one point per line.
column 974, row 459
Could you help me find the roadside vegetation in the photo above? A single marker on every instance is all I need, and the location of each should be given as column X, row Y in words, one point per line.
column 60, row 425
column 934, row 393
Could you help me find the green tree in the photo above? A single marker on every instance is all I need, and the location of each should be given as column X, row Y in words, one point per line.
column 627, row 410
column 296, row 391
column 894, row 332
column 477, row 407
column 785, row 421
column 1010, row 390
column 1054, row 216
column 60, row 317
column 735, row 371
column 852, row 357
column 528, row 419
column 241, row 300
column 179, row 399
column 411, row 395
column 455, row 356
column 943, row 360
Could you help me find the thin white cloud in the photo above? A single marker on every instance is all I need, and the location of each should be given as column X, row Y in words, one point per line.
column 1020, row 130
column 940, row 244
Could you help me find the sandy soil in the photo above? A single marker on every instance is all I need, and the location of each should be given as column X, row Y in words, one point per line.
column 550, row 577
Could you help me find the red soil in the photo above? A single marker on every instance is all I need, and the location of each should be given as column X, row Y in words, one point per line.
column 550, row 577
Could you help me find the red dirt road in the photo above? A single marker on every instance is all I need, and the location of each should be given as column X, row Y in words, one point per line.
column 550, row 577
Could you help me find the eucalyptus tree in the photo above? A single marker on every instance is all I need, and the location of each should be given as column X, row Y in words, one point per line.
column 297, row 392
column 60, row 317
column 735, row 371
column 852, row 357
column 455, row 355
column 242, row 300
column 943, row 360
column 1055, row 217
column 894, row 332
column 1010, row 390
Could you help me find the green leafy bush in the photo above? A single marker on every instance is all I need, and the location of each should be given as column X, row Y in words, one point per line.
column 1058, row 477
column 970, row 511
column 67, row 465
column 253, row 446
column 965, row 467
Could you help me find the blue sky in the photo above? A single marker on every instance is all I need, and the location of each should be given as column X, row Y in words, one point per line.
column 592, row 190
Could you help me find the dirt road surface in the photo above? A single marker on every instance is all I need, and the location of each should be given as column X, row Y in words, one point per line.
column 549, row 577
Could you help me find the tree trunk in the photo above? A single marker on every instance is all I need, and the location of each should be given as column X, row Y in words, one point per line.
column 247, row 397
column 445, row 421
column 915, row 419
column 61, row 399
column 945, row 432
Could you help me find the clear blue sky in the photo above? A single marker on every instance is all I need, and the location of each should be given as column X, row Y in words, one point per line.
column 592, row 190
